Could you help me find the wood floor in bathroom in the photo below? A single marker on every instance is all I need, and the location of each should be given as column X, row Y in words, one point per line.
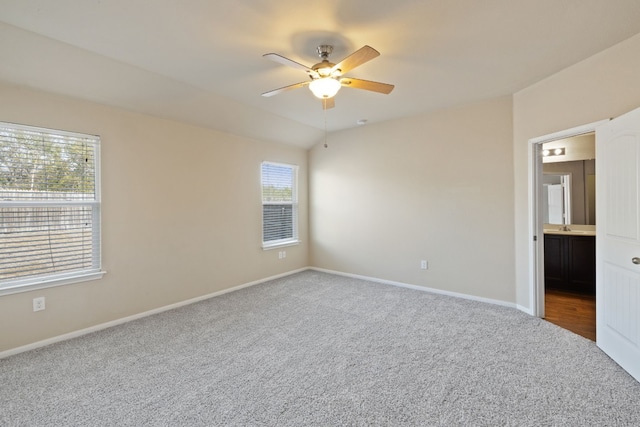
column 575, row 312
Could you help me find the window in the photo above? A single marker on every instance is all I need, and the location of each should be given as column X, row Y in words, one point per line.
column 49, row 207
column 279, row 204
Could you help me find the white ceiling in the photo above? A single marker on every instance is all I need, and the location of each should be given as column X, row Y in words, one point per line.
column 200, row 61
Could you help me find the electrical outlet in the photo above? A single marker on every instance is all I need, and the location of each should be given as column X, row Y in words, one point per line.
column 284, row 254
column 38, row 304
column 424, row 265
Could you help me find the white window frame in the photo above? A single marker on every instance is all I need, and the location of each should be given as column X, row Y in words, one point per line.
column 294, row 239
column 29, row 283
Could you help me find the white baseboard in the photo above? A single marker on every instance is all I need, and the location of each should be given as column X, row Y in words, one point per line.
column 527, row 310
column 418, row 288
column 123, row 320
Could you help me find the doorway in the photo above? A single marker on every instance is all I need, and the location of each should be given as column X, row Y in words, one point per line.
column 575, row 312
column 563, row 217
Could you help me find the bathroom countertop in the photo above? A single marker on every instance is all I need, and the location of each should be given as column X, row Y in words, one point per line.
column 574, row 230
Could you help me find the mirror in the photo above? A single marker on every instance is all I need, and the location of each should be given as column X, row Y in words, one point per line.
column 556, row 194
column 569, row 178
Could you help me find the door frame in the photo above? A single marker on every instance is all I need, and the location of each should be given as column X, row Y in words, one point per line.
column 536, row 233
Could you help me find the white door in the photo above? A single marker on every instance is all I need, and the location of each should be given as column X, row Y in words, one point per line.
column 618, row 240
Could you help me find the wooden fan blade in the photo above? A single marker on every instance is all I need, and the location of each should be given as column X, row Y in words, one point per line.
column 284, row 89
column 286, row 61
column 367, row 85
column 359, row 57
column 328, row 103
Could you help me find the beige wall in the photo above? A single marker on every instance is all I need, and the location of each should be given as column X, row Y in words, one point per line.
column 437, row 187
column 449, row 187
column 603, row 86
column 181, row 216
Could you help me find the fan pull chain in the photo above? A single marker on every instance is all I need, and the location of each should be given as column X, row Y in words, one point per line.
column 324, row 101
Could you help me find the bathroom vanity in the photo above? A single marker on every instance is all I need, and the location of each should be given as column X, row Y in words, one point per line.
column 570, row 260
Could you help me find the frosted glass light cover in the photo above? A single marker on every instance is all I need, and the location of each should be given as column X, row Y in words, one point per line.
column 325, row 88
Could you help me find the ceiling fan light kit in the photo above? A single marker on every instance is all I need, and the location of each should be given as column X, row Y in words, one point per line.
column 326, row 78
column 326, row 87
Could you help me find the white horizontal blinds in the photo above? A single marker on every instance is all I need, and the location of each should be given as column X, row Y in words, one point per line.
column 279, row 203
column 43, row 165
column 49, row 204
column 36, row 241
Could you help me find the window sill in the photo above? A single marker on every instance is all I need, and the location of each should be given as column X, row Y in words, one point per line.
column 268, row 246
column 27, row 285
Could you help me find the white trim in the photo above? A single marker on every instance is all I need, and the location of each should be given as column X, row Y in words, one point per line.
column 568, row 133
column 536, row 269
column 536, row 249
column 525, row 310
column 418, row 288
column 32, row 284
column 81, row 332
column 281, row 244
column 29, row 128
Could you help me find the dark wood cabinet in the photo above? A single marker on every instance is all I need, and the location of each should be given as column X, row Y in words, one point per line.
column 556, row 273
column 570, row 263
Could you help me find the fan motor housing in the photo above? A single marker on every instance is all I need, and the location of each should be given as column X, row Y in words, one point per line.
column 323, row 68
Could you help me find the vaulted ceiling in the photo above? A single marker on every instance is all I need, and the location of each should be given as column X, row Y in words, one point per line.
column 200, row 61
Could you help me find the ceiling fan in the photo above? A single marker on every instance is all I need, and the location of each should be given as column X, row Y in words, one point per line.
column 326, row 78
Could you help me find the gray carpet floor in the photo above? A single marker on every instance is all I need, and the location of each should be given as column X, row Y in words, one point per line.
column 314, row 349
